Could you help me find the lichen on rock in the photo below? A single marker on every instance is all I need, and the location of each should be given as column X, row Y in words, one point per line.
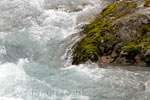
column 120, row 28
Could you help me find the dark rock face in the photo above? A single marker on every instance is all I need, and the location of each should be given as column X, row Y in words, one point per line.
column 147, row 57
column 121, row 34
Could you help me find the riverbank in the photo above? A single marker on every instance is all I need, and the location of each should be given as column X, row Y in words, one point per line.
column 120, row 34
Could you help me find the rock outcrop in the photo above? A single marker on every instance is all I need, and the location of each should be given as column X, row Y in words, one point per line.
column 121, row 34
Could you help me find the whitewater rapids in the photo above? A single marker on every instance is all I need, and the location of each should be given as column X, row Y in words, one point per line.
column 36, row 37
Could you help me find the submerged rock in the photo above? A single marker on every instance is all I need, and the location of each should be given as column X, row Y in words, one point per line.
column 121, row 34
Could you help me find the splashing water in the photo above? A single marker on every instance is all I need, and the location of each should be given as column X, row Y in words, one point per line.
column 35, row 36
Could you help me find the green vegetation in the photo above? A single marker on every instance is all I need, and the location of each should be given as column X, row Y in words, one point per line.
column 101, row 38
column 147, row 3
column 132, row 47
column 89, row 47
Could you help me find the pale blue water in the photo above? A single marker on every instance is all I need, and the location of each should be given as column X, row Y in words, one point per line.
column 36, row 37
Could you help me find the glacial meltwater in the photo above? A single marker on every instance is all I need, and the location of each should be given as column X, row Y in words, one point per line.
column 36, row 40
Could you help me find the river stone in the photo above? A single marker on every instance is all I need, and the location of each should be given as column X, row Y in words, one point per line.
column 119, row 34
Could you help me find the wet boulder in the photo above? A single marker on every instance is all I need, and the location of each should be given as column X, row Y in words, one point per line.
column 122, row 27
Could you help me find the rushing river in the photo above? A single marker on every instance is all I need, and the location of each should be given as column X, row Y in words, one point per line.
column 36, row 37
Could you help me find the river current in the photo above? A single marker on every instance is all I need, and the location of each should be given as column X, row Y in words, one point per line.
column 36, row 39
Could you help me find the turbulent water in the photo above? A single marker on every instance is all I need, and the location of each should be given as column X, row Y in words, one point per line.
column 36, row 37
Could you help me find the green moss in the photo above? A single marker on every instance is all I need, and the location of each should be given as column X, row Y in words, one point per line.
column 136, row 47
column 146, row 47
column 100, row 21
column 144, row 38
column 134, row 5
column 110, row 9
column 144, row 29
column 147, row 3
column 96, row 32
column 109, row 15
column 90, row 49
column 132, row 47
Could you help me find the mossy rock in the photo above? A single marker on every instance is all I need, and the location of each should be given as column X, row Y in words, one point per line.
column 119, row 27
column 147, row 3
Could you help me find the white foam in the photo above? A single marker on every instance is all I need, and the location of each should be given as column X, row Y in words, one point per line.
column 147, row 86
column 80, row 97
column 9, row 98
column 38, row 30
column 11, row 69
column 91, row 70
